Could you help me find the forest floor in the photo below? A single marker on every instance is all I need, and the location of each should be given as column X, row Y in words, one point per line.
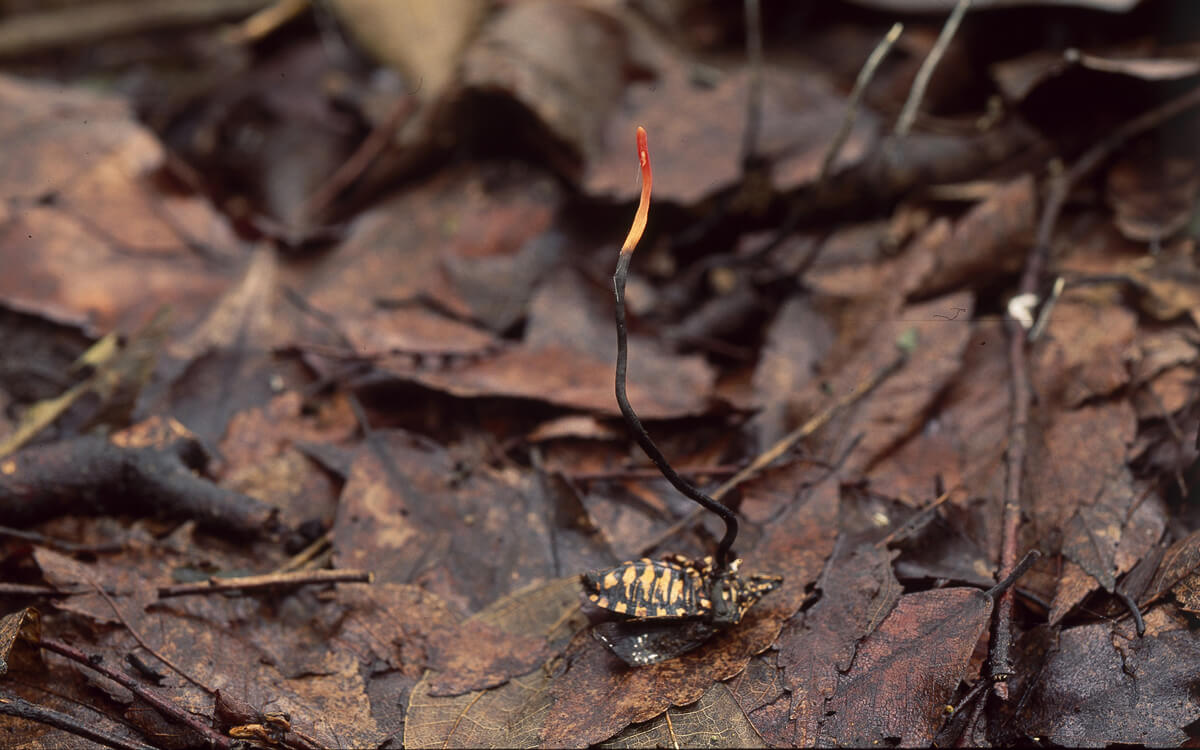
column 307, row 415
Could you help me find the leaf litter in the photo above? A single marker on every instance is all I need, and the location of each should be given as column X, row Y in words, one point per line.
column 289, row 358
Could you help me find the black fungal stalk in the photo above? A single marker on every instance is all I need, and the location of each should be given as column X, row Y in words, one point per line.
column 631, row 418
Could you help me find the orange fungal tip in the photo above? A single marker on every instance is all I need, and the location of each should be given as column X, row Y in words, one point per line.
column 639, row 218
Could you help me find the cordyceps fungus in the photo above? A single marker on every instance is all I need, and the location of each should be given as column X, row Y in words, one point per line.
column 673, row 605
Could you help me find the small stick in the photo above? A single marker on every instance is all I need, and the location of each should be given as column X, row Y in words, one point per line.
column 60, row 544
column 142, row 641
column 1026, row 563
column 11, row 705
column 1132, row 606
column 631, row 418
column 964, row 739
column 158, row 702
column 27, row 589
column 305, row 557
column 265, row 21
column 618, row 474
column 267, row 581
column 856, row 94
column 909, row 113
column 917, row 518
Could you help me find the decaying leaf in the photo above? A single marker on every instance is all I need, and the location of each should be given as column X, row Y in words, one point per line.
column 902, row 678
column 89, row 238
column 858, row 591
column 511, row 715
column 1098, row 689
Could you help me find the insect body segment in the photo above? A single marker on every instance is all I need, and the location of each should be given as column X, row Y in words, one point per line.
column 674, row 588
column 677, row 588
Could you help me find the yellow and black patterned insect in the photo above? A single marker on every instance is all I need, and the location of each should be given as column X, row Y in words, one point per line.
column 642, row 641
column 674, row 587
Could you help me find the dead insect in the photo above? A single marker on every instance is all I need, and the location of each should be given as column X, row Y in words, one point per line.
column 674, row 587
column 671, row 605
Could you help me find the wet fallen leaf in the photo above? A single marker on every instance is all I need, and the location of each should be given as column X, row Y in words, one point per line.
column 904, row 673
column 1098, row 689
column 512, row 714
column 402, row 514
column 858, row 590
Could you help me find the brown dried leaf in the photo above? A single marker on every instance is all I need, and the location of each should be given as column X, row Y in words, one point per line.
column 261, row 458
column 716, row 720
column 573, row 379
column 797, row 341
column 898, row 406
column 906, row 670
column 563, row 61
column 403, row 513
column 1149, row 62
column 90, row 238
column 983, row 241
column 396, row 255
column 968, row 448
column 512, row 714
column 1152, row 195
column 1181, row 562
column 1079, row 458
column 478, row 655
column 858, row 590
column 24, row 624
column 1084, row 350
column 800, row 114
column 1098, row 689
column 223, row 365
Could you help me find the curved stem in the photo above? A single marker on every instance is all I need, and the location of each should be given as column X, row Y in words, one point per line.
column 631, row 417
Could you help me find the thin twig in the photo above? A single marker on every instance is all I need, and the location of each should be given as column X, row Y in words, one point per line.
column 158, row 702
column 265, row 22
column 11, row 705
column 305, row 558
column 1022, row 396
column 268, row 581
column 618, row 474
column 60, row 544
column 917, row 518
column 27, row 589
column 856, row 94
column 754, row 96
column 1019, row 570
column 631, row 418
column 968, row 732
column 976, row 708
column 137, row 636
column 808, row 428
column 909, row 113
column 1132, row 606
